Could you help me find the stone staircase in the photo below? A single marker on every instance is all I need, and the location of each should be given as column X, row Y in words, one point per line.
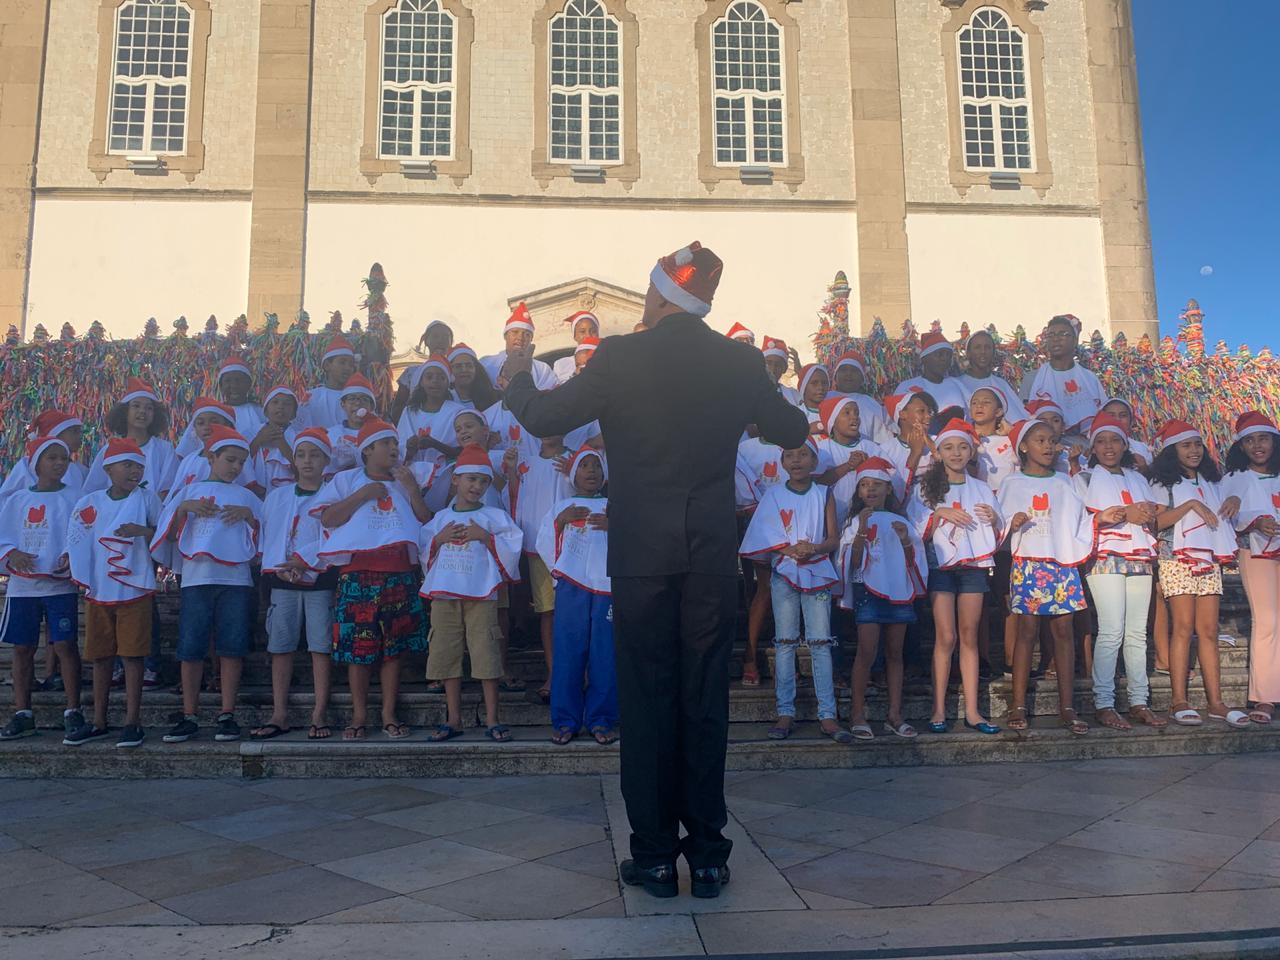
column 751, row 710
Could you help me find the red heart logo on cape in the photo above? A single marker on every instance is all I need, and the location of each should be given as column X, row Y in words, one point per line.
column 1040, row 502
column 956, row 505
column 88, row 515
column 1126, row 498
column 786, row 516
column 1072, row 387
column 36, row 514
column 771, row 469
column 385, row 504
column 1275, row 499
column 871, row 533
column 514, row 433
column 424, row 431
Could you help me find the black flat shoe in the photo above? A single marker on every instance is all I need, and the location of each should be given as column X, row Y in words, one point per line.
column 708, row 881
column 660, row 881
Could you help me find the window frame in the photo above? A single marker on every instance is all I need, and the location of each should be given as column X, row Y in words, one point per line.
column 626, row 169
column 585, row 92
column 710, row 171
column 372, row 164
column 191, row 161
column 1040, row 176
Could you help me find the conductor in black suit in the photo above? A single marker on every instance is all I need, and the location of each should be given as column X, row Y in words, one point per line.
column 672, row 402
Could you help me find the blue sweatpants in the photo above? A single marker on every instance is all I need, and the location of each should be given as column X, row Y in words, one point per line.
column 583, row 647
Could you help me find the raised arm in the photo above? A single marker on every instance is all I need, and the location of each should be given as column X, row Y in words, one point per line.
column 778, row 421
column 547, row 413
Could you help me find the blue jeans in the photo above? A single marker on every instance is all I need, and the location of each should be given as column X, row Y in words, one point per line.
column 788, row 606
column 1121, row 603
column 583, row 645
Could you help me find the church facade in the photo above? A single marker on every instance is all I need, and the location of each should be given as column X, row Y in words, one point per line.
column 972, row 161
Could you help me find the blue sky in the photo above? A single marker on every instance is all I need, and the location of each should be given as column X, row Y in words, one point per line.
column 1212, row 140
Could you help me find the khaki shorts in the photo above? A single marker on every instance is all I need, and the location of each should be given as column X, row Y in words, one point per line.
column 470, row 625
column 542, row 587
column 117, row 629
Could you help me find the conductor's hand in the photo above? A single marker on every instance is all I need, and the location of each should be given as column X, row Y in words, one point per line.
column 518, row 361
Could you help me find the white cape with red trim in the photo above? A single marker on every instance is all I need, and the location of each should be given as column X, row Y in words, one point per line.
column 415, row 422
column 1259, row 497
column 36, row 523
column 1195, row 543
column 209, row 538
column 112, row 569
column 291, row 531
column 270, row 467
column 469, row 570
column 832, row 453
column 386, row 522
column 579, row 553
column 785, row 518
column 955, row 546
column 342, row 441
column 539, row 485
column 1059, row 529
column 885, row 570
column 195, row 469
column 1106, row 489
column 758, row 467
column 996, row 460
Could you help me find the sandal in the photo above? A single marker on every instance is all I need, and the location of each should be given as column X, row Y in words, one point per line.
column 444, row 732
column 779, row 732
column 861, row 731
column 604, row 735
column 563, row 735
column 269, row 732
column 1262, row 713
column 319, row 732
column 751, row 676
column 904, row 730
column 838, row 733
column 435, row 686
column 1187, row 717
column 498, row 733
column 354, row 732
column 544, row 694
column 396, row 731
column 1232, row 718
column 1141, row 713
column 1073, row 723
column 1108, row 717
column 1017, row 718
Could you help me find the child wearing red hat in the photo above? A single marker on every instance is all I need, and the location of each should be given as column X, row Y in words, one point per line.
column 356, row 398
column 107, row 546
column 33, row 554
column 471, row 386
column 517, row 335
column 140, row 416
column 842, row 447
column 323, row 408
column 586, row 326
column 936, row 355
column 812, row 387
column 758, row 467
column 910, row 452
column 271, row 463
column 234, row 385
column 849, row 379
column 207, row 414
column 777, row 357
column 425, row 427
column 51, row 423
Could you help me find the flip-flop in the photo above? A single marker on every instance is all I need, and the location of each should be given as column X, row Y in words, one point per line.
column 444, row 732
column 1110, row 717
column 1072, row 723
column 1018, row 718
column 862, row 731
column 1258, row 715
column 751, row 679
column 904, row 730
column 563, row 735
column 1143, row 714
column 839, row 734
column 779, row 732
column 396, row 731
column 269, row 732
column 498, row 733
column 1234, row 718
column 354, row 732
column 315, row 734
column 604, row 735
column 1187, row 718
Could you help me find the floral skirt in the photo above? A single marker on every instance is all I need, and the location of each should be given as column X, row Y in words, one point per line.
column 1043, row 588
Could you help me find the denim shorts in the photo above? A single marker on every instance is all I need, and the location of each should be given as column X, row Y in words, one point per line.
column 959, row 580
column 868, row 608
column 226, row 610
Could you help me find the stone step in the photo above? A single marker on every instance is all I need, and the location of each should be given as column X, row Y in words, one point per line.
column 532, row 753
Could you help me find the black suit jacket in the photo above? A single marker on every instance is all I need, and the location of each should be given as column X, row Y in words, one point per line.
column 672, row 404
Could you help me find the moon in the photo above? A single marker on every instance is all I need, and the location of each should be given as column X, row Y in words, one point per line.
column 1206, row 271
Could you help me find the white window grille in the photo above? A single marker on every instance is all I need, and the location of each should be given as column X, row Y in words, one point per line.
column 994, row 102
column 150, row 86
column 750, row 92
column 418, row 102
column 586, row 91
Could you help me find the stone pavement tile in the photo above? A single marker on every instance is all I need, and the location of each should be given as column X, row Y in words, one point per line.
column 58, row 805
column 420, row 865
column 747, row 810
column 34, row 866
column 933, row 782
column 296, row 789
column 820, row 901
column 1221, row 798
column 826, row 826
column 1223, row 776
column 531, row 838
column 292, row 896
column 1036, row 796
column 857, row 778
column 947, row 847
column 784, row 852
column 1001, row 821
column 1158, row 843
column 262, row 822
column 785, row 788
column 374, row 800
column 329, row 842
column 143, row 842
column 610, row 908
column 1005, row 774
column 539, row 796
column 194, row 870
column 1099, row 784
column 1233, row 880
column 877, row 880
column 9, row 844
column 592, row 812
column 25, row 788
column 448, row 816
column 220, row 799
column 526, row 891
column 179, row 792
column 141, row 915
column 897, row 805
column 391, row 910
column 594, row 859
column 735, row 776
column 38, row 901
column 1164, row 769
column 1199, row 817
column 1261, row 857
column 1271, row 833
column 463, row 786
column 1004, row 890
column 1099, row 872
column 43, row 831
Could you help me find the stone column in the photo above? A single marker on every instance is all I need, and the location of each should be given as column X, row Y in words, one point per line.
column 277, row 238
column 884, row 284
column 22, row 36
column 1122, row 187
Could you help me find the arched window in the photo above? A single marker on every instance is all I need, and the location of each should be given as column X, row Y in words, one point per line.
column 586, row 85
column 417, row 103
column 995, row 103
column 150, row 84
column 749, row 87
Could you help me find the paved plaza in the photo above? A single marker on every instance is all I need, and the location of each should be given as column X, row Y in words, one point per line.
column 824, row 860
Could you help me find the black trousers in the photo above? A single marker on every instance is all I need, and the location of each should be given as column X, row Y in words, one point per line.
column 674, row 635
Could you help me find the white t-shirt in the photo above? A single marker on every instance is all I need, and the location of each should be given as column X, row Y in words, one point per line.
column 1076, row 390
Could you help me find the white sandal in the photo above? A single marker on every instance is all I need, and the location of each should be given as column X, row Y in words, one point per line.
column 904, row 730
column 862, row 731
column 1188, row 718
column 1234, row 718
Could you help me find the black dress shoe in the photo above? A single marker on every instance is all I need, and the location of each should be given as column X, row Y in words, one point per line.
column 708, row 881
column 659, row 881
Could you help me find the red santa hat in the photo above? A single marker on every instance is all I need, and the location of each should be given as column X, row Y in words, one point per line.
column 280, row 391
column 1070, row 319
column 1019, row 431
column 136, row 388
column 739, row 332
column 980, row 332
column 225, row 437
column 573, row 318
column 372, row 431
column 519, row 319
column 1174, row 432
column 588, row 345
column 473, row 459
column 875, row 468
column 123, row 450
column 773, row 347
column 210, row 405
column 957, row 429
column 37, row 447
column 688, row 278
column 357, row 384
column 1253, row 421
column 461, row 350
column 850, row 358
column 435, row 361
column 1106, row 423
column 50, row 423
column 233, row 364
column 894, row 403
column 317, row 437
column 932, row 342
column 1037, row 407
column 807, row 373
column 995, row 392
column 830, row 408
column 583, row 452
column 339, row 346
